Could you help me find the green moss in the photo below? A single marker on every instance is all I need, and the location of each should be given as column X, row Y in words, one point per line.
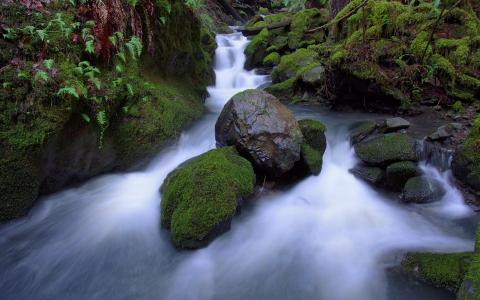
column 339, row 55
column 386, row 149
column 440, row 270
column 301, row 22
column 457, row 106
column 419, row 44
column 283, row 90
column 272, row 59
column 315, row 144
column 470, row 288
column 202, row 194
column 257, row 49
column 290, row 64
column 443, row 67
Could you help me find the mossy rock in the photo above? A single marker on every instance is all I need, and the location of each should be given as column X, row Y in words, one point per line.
column 301, row 22
column 291, row 64
column 398, row 173
column 271, row 59
column 372, row 175
column 257, row 49
column 422, row 189
column 284, row 90
column 438, row 269
column 386, row 149
column 200, row 197
column 466, row 160
column 470, row 288
column 313, row 148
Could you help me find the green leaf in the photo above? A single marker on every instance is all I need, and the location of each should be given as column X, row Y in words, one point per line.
column 90, row 23
column 41, row 76
column 125, row 109
column 129, row 89
column 67, row 91
column 101, row 118
column 113, row 40
column 119, row 68
column 42, row 34
column 96, row 82
column 89, row 47
column 23, row 75
column 48, row 63
column 85, row 117
column 122, row 56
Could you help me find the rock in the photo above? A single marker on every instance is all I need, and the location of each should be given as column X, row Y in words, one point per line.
column 257, row 49
column 284, row 90
column 396, row 124
column 398, row 173
column 313, row 148
column 292, row 63
column 372, row 175
column 314, row 75
column 470, row 288
column 421, row 189
column 200, row 197
column 271, row 60
column 359, row 131
column 262, row 129
column 441, row 270
column 466, row 160
column 386, row 149
column 445, row 131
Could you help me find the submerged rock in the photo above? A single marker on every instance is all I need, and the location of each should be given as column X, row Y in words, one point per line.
column 373, row 175
column 313, row 148
column 441, row 270
column 421, row 189
column 262, row 129
column 386, row 149
column 396, row 124
column 200, row 197
column 398, row 173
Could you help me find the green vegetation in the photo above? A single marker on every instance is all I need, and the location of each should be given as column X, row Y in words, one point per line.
column 201, row 196
column 315, row 144
column 470, row 289
column 386, row 149
column 438, row 269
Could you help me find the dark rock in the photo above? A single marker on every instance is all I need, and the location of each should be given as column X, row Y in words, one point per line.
column 395, row 124
column 371, row 175
column 386, row 149
column 422, row 190
column 362, row 130
column 262, row 129
column 313, row 148
column 398, row 173
column 445, row 131
column 314, row 75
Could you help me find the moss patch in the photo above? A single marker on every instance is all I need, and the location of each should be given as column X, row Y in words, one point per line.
column 202, row 194
column 386, row 149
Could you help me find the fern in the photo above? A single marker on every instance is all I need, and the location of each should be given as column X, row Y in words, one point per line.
column 96, row 82
column 67, row 91
column 102, row 118
column 42, row 34
column 40, row 76
column 130, row 89
column 121, row 55
column 48, row 63
column 89, row 47
column 85, row 117
column 134, row 47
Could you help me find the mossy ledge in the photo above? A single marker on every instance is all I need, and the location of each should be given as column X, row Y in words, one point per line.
column 200, row 198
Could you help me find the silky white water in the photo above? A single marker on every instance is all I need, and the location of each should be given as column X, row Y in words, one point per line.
column 329, row 237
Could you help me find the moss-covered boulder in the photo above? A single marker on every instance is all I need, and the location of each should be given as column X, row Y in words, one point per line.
column 200, row 197
column 301, row 22
column 262, row 129
column 470, row 288
column 398, row 173
column 284, row 90
column 422, row 189
column 386, row 149
column 257, row 49
column 291, row 64
column 271, row 59
column 466, row 160
column 314, row 145
column 441, row 270
column 372, row 175
column 313, row 75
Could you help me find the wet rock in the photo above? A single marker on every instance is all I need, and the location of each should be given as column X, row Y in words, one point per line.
column 445, row 131
column 395, row 124
column 313, row 148
column 362, row 130
column 262, row 129
column 398, row 173
column 291, row 64
column 386, row 149
column 373, row 175
column 201, row 196
column 422, row 189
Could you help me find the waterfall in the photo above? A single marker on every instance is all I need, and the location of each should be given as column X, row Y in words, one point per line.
column 434, row 154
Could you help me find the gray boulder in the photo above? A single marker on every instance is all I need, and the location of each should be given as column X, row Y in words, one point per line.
column 422, row 190
column 396, row 124
column 262, row 129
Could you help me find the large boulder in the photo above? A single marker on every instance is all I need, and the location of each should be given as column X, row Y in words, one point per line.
column 422, row 189
column 313, row 148
column 262, row 129
column 386, row 149
column 202, row 195
column 398, row 173
column 257, row 49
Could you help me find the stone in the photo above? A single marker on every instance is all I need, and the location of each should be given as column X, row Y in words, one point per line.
column 361, row 130
column 422, row 189
column 396, row 124
column 313, row 148
column 262, row 129
column 398, row 173
column 373, row 175
column 314, row 75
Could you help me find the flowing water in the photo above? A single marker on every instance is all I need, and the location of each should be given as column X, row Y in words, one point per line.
column 329, row 237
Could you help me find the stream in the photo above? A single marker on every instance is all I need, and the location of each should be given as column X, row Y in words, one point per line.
column 328, row 237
